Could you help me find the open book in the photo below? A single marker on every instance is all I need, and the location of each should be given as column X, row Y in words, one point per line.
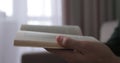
column 45, row 36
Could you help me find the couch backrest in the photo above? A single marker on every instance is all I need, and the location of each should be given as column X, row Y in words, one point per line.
column 107, row 29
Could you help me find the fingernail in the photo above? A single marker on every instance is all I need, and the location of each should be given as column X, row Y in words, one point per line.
column 60, row 40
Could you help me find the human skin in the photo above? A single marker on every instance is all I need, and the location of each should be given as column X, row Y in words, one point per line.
column 77, row 51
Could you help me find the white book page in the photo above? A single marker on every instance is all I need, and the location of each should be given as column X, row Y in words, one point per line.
column 73, row 30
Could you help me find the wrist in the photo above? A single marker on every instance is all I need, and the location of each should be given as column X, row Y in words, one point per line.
column 118, row 60
column 115, row 60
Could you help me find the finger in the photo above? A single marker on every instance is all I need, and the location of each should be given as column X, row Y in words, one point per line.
column 72, row 44
column 59, row 40
column 68, row 42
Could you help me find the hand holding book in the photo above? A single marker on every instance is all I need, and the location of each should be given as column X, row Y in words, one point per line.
column 84, row 51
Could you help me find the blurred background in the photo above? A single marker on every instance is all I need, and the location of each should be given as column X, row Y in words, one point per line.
column 89, row 15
